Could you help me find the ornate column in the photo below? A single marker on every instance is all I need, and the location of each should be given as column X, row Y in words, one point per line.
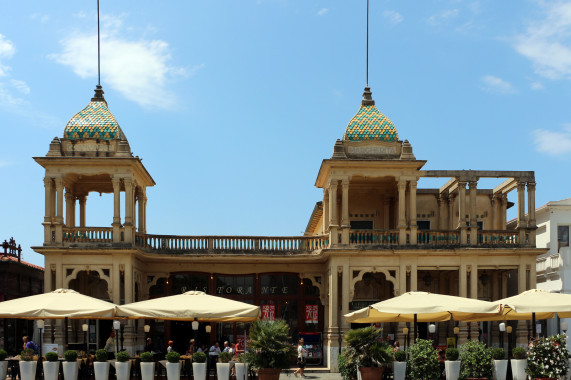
column 82, row 200
column 141, row 203
column 116, row 209
column 325, row 210
column 531, row 223
column 333, row 333
column 59, row 207
column 441, row 202
column 413, row 277
column 474, row 281
column 450, row 199
column 345, row 223
column 473, row 185
column 462, row 212
column 49, row 211
column 503, row 211
column 521, row 224
column 412, row 212
column 128, row 226
column 334, row 220
column 402, row 217
column 493, row 213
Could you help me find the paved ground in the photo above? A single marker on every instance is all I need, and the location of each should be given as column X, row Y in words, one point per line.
column 311, row 375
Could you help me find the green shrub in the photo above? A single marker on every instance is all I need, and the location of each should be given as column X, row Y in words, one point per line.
column 519, row 353
column 224, row 357
column 27, row 355
column 52, row 356
column 368, row 346
column 101, row 355
column 241, row 358
column 498, row 353
column 452, row 354
column 147, row 357
column 3, row 354
column 347, row 366
column 548, row 357
column 122, row 356
column 173, row 357
column 70, row 355
column 269, row 345
column 400, row 356
column 422, row 361
column 476, row 360
column 199, row 357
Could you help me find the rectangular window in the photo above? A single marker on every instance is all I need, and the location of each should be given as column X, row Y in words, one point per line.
column 361, row 224
column 423, row 225
column 563, row 236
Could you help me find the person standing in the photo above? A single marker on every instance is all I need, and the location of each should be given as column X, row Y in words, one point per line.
column 149, row 345
column 169, row 348
column 301, row 355
column 109, row 345
column 191, row 348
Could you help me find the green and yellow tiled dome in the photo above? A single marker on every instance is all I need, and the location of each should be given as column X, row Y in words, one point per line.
column 370, row 124
column 95, row 121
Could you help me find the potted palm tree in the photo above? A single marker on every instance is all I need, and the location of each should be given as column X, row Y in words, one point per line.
column 347, row 364
column 27, row 365
column 452, row 364
column 519, row 363
column 199, row 365
column 147, row 366
column 476, row 361
column 101, row 365
column 173, row 365
column 399, row 365
column 423, row 360
column 241, row 368
column 500, row 363
column 270, row 350
column 70, row 366
column 372, row 352
column 51, row 366
column 122, row 366
column 3, row 364
column 223, row 366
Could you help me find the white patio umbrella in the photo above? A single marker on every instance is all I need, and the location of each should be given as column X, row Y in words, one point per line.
column 423, row 307
column 59, row 304
column 191, row 306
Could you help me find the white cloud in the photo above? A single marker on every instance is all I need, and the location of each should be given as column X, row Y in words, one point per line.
column 494, row 84
column 43, row 18
column 536, row 86
column 393, row 17
column 547, row 41
column 554, row 143
column 21, row 86
column 443, row 17
column 6, row 52
column 3, row 164
column 322, row 11
column 138, row 69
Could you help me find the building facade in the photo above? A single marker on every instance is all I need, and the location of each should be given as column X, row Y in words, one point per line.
column 374, row 235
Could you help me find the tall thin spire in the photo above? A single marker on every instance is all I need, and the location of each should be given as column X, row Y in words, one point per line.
column 367, row 69
column 99, row 48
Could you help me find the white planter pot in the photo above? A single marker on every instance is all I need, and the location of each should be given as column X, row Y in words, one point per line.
column 500, row 369
column 28, row 370
column 148, row 370
column 399, row 370
column 173, row 371
column 122, row 370
column 199, row 370
column 518, row 369
column 452, row 369
column 223, row 371
column 241, row 371
column 51, row 370
column 101, row 370
column 70, row 370
column 3, row 369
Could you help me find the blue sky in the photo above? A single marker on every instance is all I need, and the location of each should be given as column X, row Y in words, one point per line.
column 243, row 99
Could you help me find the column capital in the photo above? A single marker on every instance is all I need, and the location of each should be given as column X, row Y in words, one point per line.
column 48, row 181
column 521, row 185
column 116, row 181
column 473, row 185
column 333, row 183
column 401, row 183
column 345, row 183
column 531, row 185
column 462, row 184
column 59, row 182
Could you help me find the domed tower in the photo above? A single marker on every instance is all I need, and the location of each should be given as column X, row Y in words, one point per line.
column 369, row 179
column 93, row 156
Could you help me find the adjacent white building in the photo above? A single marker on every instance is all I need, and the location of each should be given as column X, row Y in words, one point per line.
column 554, row 267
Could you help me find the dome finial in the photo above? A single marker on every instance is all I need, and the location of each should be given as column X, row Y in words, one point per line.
column 98, row 97
column 367, row 97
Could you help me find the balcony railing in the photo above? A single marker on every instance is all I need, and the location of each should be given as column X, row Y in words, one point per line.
column 498, row 238
column 374, row 237
column 88, row 234
column 428, row 237
column 246, row 244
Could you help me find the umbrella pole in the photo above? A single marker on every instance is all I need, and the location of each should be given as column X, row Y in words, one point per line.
column 415, row 327
column 534, row 328
column 66, row 335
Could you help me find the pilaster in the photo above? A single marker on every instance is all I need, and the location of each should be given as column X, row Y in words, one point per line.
column 334, row 220
column 116, row 209
column 59, row 207
column 345, row 223
column 473, row 186
column 412, row 213
column 401, row 216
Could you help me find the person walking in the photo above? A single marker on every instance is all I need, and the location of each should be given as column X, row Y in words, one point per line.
column 109, row 346
column 301, row 355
